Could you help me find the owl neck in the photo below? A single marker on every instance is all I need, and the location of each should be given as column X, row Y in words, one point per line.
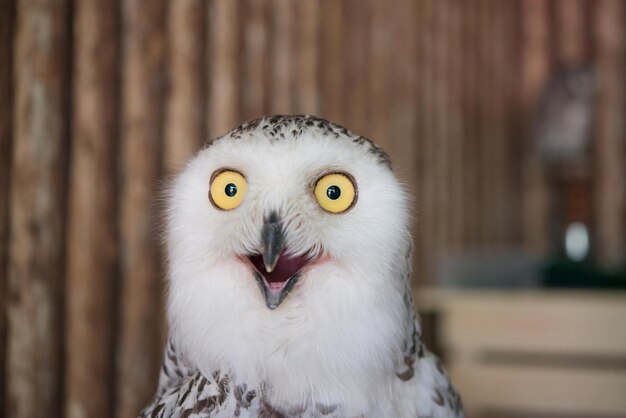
column 328, row 343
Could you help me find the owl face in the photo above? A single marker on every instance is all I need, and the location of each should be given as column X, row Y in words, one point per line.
column 281, row 206
column 286, row 239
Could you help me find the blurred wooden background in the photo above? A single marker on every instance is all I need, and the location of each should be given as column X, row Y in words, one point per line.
column 101, row 100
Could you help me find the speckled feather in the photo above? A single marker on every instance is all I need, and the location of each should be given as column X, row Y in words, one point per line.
column 420, row 385
column 281, row 126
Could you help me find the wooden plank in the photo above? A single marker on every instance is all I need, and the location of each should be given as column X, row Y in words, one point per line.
column 186, row 101
column 282, row 71
column 224, row 107
column 534, row 351
column 332, row 40
column 92, row 222
column 532, row 322
column 307, row 98
column 255, row 62
column 535, row 69
column 37, row 209
column 540, row 390
column 7, row 29
column 139, row 345
column 609, row 144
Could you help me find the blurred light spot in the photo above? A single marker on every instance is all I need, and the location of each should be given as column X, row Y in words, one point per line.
column 577, row 241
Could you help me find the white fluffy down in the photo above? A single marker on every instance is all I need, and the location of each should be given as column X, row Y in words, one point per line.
column 337, row 337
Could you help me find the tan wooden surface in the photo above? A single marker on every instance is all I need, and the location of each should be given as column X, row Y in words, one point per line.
column 539, row 391
column 560, row 322
column 535, row 352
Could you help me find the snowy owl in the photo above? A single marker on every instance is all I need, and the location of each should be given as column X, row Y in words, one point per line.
column 289, row 282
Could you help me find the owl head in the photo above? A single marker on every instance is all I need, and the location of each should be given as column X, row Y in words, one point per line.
column 286, row 229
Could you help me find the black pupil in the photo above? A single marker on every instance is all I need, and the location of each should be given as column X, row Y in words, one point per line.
column 333, row 192
column 230, row 190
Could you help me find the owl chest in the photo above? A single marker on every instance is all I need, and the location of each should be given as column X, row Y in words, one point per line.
column 311, row 381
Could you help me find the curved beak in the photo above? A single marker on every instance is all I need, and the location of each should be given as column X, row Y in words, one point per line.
column 272, row 241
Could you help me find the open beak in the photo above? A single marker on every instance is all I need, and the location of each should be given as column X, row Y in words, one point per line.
column 275, row 271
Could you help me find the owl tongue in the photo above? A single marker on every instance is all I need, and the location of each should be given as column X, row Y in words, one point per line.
column 285, row 268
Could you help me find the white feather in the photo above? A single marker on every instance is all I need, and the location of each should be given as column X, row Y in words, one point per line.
column 339, row 336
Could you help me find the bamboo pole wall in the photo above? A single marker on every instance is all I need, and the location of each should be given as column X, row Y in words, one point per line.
column 7, row 25
column 35, row 274
column 93, row 243
column 101, row 101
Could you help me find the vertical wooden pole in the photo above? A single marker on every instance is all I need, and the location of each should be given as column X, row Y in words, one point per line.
column 92, row 221
column 472, row 125
column 7, row 27
column 307, row 70
column 485, row 138
column 139, row 348
column 499, row 178
column 485, row 134
column 37, row 208
column 186, row 100
column 610, row 136
column 440, row 128
column 224, row 107
column 355, row 106
column 454, row 137
column 255, row 63
column 331, row 60
column 282, row 50
column 380, row 92
column 513, row 121
column 399, row 116
column 535, row 68
column 571, row 32
column 427, row 198
column 420, row 258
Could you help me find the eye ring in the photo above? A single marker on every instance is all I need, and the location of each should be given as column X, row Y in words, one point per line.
column 336, row 192
column 227, row 189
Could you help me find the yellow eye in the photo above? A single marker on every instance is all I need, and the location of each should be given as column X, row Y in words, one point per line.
column 228, row 188
column 335, row 192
